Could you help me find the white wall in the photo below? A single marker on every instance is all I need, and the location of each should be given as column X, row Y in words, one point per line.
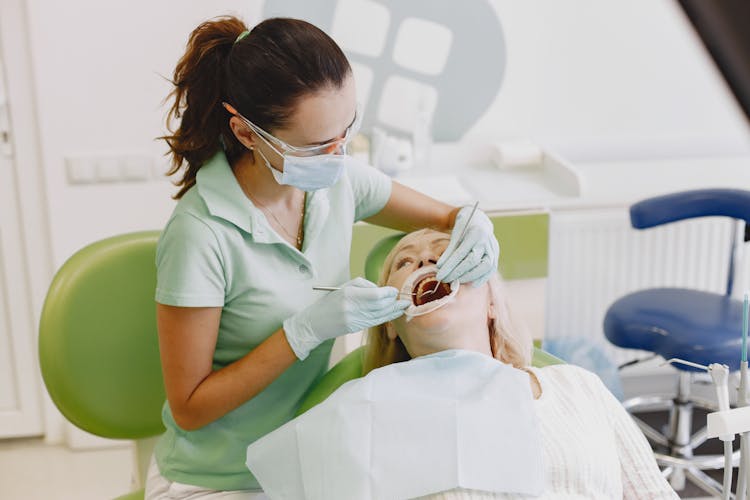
column 592, row 79
column 606, row 80
column 98, row 84
column 100, row 70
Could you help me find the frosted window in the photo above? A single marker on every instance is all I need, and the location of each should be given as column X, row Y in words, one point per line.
column 422, row 46
column 361, row 26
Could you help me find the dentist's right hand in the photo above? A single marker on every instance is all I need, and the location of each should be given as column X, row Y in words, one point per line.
column 357, row 305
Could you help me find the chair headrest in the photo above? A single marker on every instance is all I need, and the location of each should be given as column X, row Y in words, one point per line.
column 376, row 256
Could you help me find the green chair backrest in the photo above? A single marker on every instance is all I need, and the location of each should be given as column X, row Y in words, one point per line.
column 98, row 345
column 351, row 366
column 524, row 240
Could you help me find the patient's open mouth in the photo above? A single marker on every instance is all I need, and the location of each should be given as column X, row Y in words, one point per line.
column 423, row 294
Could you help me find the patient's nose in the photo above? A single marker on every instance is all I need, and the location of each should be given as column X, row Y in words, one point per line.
column 427, row 258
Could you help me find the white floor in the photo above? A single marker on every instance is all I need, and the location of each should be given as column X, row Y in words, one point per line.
column 33, row 470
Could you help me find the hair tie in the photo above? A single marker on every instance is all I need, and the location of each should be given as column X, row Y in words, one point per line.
column 242, row 35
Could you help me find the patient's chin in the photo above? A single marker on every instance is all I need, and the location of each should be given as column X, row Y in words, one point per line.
column 437, row 320
column 452, row 316
column 430, row 340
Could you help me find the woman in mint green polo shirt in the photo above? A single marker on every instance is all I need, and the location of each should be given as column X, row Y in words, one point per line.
column 267, row 200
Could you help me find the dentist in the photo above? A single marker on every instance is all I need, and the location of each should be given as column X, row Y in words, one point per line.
column 267, row 200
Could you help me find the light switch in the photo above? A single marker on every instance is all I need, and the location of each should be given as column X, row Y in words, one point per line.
column 107, row 169
column 136, row 167
column 80, row 170
column 159, row 171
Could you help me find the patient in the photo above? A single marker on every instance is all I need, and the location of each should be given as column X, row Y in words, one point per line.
column 591, row 448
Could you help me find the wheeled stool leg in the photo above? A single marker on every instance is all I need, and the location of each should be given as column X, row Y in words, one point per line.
column 680, row 428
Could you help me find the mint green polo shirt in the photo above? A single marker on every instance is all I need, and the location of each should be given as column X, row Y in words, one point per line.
column 218, row 250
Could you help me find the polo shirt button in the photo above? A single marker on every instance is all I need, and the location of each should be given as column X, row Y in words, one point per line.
column 304, row 269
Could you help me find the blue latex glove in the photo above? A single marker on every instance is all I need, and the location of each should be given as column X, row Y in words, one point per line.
column 474, row 258
column 357, row 305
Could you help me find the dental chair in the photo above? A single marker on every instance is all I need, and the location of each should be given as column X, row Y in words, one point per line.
column 98, row 346
column 99, row 351
column 351, row 366
column 692, row 325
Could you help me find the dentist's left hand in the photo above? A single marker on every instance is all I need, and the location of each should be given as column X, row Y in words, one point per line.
column 474, row 257
column 357, row 305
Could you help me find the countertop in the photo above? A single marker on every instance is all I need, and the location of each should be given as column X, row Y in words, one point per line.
column 461, row 174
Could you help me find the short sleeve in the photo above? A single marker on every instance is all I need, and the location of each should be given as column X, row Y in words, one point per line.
column 371, row 188
column 189, row 265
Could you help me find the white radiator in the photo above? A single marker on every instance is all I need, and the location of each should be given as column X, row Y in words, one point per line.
column 596, row 257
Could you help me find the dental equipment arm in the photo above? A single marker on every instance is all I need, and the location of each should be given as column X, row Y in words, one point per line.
column 742, row 401
column 727, row 422
column 720, row 376
column 720, row 428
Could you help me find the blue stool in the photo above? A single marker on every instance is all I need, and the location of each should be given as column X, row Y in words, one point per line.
column 693, row 325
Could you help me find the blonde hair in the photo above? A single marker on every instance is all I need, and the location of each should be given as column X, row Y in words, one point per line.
column 509, row 341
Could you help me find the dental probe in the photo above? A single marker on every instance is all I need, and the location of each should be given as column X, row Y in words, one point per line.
column 334, row 288
column 461, row 236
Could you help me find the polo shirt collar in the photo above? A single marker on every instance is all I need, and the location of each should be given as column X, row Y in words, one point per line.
column 224, row 198
column 223, row 195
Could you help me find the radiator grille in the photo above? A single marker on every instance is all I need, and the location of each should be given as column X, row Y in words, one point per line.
column 596, row 257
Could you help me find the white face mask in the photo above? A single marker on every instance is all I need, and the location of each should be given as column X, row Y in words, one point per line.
column 417, row 282
column 309, row 173
column 311, row 167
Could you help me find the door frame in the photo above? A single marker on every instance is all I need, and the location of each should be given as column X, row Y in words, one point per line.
column 31, row 189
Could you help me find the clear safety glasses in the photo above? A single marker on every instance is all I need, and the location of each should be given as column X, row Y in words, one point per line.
column 314, row 150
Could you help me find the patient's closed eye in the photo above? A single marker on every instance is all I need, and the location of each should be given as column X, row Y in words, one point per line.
column 402, row 262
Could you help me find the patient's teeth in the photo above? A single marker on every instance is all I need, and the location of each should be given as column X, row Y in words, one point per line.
column 419, row 286
column 425, row 294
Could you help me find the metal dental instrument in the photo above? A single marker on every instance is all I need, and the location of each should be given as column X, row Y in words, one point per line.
column 334, row 288
column 728, row 422
column 461, row 236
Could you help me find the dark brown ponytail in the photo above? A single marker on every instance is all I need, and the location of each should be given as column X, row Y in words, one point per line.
column 262, row 76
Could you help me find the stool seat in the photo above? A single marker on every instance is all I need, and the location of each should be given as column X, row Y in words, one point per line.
column 696, row 326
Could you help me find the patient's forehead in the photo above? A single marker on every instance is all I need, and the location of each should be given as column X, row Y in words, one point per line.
column 419, row 238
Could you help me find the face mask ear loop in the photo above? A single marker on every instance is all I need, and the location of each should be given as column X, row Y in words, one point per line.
column 268, row 163
column 268, row 143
